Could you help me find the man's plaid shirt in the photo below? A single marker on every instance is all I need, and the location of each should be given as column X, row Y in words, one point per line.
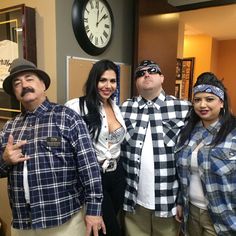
column 169, row 116
column 217, row 169
column 63, row 172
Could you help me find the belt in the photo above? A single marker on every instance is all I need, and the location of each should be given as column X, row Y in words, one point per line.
column 109, row 165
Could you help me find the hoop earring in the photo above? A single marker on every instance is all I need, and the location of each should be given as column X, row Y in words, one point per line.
column 223, row 111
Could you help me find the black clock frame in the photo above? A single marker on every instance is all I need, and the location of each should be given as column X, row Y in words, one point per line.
column 78, row 9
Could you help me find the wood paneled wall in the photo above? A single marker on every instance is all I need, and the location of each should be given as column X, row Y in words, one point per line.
column 156, row 38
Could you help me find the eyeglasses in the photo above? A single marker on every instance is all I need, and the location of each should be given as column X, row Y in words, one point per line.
column 151, row 70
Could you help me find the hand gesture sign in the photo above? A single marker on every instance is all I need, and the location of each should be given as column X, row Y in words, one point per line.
column 13, row 152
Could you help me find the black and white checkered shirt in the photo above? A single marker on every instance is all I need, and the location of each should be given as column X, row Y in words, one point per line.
column 166, row 115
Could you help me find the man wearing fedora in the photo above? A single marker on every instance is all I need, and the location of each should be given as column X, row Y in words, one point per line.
column 48, row 157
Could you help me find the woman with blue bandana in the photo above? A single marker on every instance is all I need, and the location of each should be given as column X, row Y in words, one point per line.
column 206, row 162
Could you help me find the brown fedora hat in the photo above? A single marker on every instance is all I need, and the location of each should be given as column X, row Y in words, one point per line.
column 20, row 65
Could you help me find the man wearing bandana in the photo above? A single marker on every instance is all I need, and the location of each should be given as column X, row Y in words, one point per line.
column 153, row 120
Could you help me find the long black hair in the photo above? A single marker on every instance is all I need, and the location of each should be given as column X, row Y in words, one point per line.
column 227, row 119
column 92, row 99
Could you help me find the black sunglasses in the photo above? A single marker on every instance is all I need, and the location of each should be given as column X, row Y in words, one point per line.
column 151, row 70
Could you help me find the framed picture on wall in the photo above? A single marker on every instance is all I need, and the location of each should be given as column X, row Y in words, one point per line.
column 187, row 77
column 178, row 69
column 17, row 39
column 178, row 88
column 184, row 77
column 9, row 47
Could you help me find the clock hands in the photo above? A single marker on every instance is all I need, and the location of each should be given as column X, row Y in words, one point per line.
column 102, row 18
column 97, row 6
column 97, row 17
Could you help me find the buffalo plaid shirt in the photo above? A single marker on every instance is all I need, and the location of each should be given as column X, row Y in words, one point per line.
column 217, row 169
column 166, row 115
column 63, row 172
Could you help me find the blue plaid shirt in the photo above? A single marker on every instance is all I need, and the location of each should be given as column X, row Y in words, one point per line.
column 63, row 172
column 168, row 118
column 217, row 169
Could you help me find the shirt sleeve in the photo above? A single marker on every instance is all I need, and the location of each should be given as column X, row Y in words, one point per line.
column 4, row 167
column 87, row 165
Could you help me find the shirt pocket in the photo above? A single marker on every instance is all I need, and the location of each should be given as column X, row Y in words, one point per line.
column 55, row 154
column 171, row 129
column 46, row 146
column 223, row 161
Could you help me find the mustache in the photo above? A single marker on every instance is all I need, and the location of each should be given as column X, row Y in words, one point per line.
column 27, row 90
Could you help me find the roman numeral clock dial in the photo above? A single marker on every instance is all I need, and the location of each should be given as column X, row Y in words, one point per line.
column 92, row 22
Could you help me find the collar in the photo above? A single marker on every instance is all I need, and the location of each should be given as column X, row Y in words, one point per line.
column 39, row 111
column 212, row 129
column 157, row 101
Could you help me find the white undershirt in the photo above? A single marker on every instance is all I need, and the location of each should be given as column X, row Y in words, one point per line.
column 146, row 192
column 26, row 183
column 197, row 197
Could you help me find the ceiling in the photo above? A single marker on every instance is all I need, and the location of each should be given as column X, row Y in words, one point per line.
column 185, row 2
column 217, row 21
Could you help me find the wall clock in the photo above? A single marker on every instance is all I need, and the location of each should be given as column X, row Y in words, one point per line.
column 92, row 22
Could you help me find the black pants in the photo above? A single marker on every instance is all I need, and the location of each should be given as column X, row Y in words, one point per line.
column 113, row 194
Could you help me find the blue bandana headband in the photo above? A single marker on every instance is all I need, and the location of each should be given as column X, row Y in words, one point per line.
column 206, row 88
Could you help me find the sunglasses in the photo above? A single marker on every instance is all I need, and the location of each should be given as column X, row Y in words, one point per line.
column 151, row 70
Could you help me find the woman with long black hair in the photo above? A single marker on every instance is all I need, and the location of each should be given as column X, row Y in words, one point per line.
column 107, row 130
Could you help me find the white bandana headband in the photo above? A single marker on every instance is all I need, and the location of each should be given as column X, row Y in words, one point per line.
column 206, row 88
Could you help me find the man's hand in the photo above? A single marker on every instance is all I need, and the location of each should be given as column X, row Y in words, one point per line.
column 13, row 152
column 179, row 213
column 94, row 224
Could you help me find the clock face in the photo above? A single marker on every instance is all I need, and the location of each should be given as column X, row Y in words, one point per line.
column 97, row 23
column 92, row 22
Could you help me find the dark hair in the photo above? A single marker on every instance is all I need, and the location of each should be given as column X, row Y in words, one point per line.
column 92, row 98
column 227, row 119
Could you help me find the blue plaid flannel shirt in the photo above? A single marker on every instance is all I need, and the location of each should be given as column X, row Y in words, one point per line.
column 217, row 168
column 170, row 114
column 63, row 172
